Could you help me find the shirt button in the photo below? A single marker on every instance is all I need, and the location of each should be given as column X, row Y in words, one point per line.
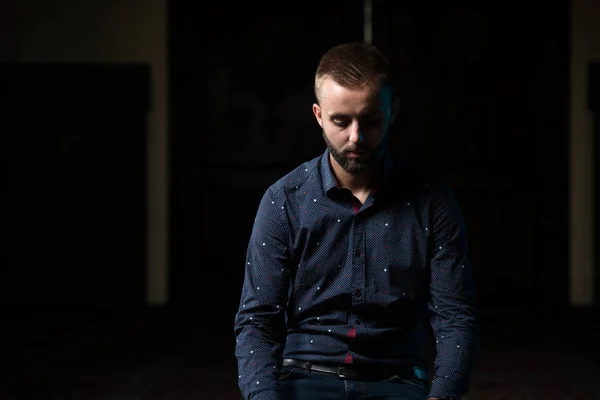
column 357, row 322
column 357, row 292
column 357, row 252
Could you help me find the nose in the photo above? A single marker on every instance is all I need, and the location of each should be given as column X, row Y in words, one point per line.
column 356, row 135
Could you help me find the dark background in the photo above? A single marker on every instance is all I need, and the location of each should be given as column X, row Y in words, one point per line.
column 485, row 103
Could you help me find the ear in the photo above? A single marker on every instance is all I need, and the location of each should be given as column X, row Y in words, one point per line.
column 317, row 112
column 395, row 109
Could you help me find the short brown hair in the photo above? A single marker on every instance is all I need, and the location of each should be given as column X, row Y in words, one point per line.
column 353, row 64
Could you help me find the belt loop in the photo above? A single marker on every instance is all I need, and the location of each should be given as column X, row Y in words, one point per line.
column 308, row 365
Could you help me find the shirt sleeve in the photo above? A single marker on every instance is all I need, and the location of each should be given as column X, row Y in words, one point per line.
column 453, row 304
column 260, row 325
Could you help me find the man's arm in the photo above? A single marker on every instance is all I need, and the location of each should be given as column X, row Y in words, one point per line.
column 260, row 327
column 453, row 305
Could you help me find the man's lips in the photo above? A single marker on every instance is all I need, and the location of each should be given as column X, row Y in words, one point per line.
column 356, row 153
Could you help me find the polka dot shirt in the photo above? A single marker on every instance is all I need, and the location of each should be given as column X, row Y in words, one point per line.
column 331, row 279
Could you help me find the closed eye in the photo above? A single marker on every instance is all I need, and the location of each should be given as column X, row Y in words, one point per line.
column 366, row 120
column 340, row 122
column 371, row 120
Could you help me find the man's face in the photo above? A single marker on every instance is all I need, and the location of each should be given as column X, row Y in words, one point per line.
column 355, row 123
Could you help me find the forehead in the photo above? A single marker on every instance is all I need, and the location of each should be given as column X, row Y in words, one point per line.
column 352, row 100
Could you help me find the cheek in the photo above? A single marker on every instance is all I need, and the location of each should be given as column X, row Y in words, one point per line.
column 375, row 134
column 328, row 136
column 384, row 127
column 334, row 134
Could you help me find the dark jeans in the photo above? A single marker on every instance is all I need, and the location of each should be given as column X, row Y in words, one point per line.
column 299, row 384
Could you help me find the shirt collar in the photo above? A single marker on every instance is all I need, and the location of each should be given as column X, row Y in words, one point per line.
column 330, row 181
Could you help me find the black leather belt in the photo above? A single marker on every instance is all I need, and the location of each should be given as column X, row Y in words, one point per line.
column 360, row 373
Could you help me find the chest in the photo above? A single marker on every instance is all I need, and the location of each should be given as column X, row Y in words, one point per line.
column 336, row 246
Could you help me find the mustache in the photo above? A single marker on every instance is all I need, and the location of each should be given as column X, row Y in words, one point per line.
column 356, row 150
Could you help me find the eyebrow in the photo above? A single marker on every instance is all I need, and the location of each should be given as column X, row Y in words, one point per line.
column 366, row 114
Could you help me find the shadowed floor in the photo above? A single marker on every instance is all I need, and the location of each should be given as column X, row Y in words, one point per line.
column 162, row 354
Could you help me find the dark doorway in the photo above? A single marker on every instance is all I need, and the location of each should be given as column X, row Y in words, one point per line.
column 74, row 153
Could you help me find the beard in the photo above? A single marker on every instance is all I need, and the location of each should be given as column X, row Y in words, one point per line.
column 353, row 165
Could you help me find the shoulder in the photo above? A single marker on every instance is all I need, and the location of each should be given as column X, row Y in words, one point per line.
column 426, row 186
column 418, row 178
column 295, row 177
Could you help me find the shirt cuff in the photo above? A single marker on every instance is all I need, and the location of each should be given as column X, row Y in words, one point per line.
column 266, row 395
column 443, row 387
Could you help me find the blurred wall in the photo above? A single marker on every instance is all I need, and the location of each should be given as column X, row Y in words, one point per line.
column 585, row 48
column 107, row 32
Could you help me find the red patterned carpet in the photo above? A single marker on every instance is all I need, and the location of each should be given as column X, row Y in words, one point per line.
column 168, row 356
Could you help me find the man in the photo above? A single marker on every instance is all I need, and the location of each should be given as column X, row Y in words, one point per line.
column 351, row 255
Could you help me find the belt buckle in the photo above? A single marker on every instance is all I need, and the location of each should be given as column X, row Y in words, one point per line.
column 340, row 372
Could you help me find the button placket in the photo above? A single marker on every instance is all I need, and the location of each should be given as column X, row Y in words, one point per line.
column 358, row 284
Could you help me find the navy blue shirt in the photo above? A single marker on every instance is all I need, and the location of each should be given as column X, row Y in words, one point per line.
column 331, row 280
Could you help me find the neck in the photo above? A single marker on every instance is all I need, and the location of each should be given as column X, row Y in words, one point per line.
column 362, row 182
